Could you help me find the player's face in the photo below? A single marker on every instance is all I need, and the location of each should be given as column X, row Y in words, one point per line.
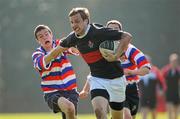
column 44, row 38
column 78, row 25
column 174, row 62
column 114, row 26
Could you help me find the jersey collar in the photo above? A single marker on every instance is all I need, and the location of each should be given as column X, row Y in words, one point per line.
column 87, row 29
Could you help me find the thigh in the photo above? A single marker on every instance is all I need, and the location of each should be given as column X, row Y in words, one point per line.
column 73, row 97
column 100, row 102
column 132, row 102
column 117, row 114
column 99, row 92
column 132, row 99
column 99, row 99
column 64, row 104
column 52, row 101
column 66, row 97
column 96, row 83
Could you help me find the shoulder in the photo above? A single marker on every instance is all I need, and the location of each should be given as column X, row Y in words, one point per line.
column 38, row 51
column 97, row 26
column 132, row 47
column 131, row 50
column 68, row 41
column 69, row 36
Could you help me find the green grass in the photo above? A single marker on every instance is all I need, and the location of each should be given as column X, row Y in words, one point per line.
column 57, row 116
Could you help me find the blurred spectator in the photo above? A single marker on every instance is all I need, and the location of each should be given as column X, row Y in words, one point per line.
column 149, row 87
column 171, row 73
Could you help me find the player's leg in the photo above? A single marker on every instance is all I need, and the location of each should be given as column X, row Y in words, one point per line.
column 99, row 100
column 116, row 110
column 58, row 103
column 153, row 112
column 176, row 107
column 144, row 111
column 68, row 104
column 127, row 113
column 131, row 104
column 67, row 107
column 63, row 115
column 100, row 107
column 116, row 89
column 99, row 96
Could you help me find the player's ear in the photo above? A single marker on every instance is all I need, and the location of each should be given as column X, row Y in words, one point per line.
column 86, row 21
column 38, row 41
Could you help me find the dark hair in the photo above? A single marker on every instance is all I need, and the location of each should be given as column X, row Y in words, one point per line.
column 114, row 22
column 39, row 28
column 84, row 12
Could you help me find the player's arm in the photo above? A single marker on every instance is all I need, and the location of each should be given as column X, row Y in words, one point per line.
column 124, row 38
column 85, row 91
column 53, row 54
column 137, row 58
column 161, row 79
column 124, row 42
column 63, row 46
column 73, row 51
column 141, row 71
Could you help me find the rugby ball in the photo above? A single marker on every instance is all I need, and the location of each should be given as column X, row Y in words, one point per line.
column 108, row 46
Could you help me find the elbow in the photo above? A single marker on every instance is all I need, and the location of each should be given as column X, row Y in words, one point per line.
column 126, row 38
column 147, row 70
column 144, row 71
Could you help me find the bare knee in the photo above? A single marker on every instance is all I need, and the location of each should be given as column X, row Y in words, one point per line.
column 127, row 114
column 70, row 108
column 67, row 107
column 99, row 113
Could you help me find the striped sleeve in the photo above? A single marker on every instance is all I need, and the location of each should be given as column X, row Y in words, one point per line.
column 38, row 60
column 138, row 58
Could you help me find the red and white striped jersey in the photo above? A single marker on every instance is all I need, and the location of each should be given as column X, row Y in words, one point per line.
column 133, row 59
column 57, row 75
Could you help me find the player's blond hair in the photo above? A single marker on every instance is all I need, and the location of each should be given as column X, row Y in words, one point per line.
column 84, row 12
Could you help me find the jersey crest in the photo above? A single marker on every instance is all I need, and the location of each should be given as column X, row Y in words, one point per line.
column 90, row 44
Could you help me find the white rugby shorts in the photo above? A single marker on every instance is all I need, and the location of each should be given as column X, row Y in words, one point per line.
column 115, row 87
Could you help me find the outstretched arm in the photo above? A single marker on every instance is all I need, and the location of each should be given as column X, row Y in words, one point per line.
column 85, row 91
column 54, row 53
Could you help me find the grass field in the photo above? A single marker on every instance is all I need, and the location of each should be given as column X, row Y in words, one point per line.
column 57, row 116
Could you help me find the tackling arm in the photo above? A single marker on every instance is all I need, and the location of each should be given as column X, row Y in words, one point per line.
column 54, row 53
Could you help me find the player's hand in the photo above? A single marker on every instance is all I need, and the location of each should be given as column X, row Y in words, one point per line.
column 110, row 57
column 74, row 51
column 83, row 94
